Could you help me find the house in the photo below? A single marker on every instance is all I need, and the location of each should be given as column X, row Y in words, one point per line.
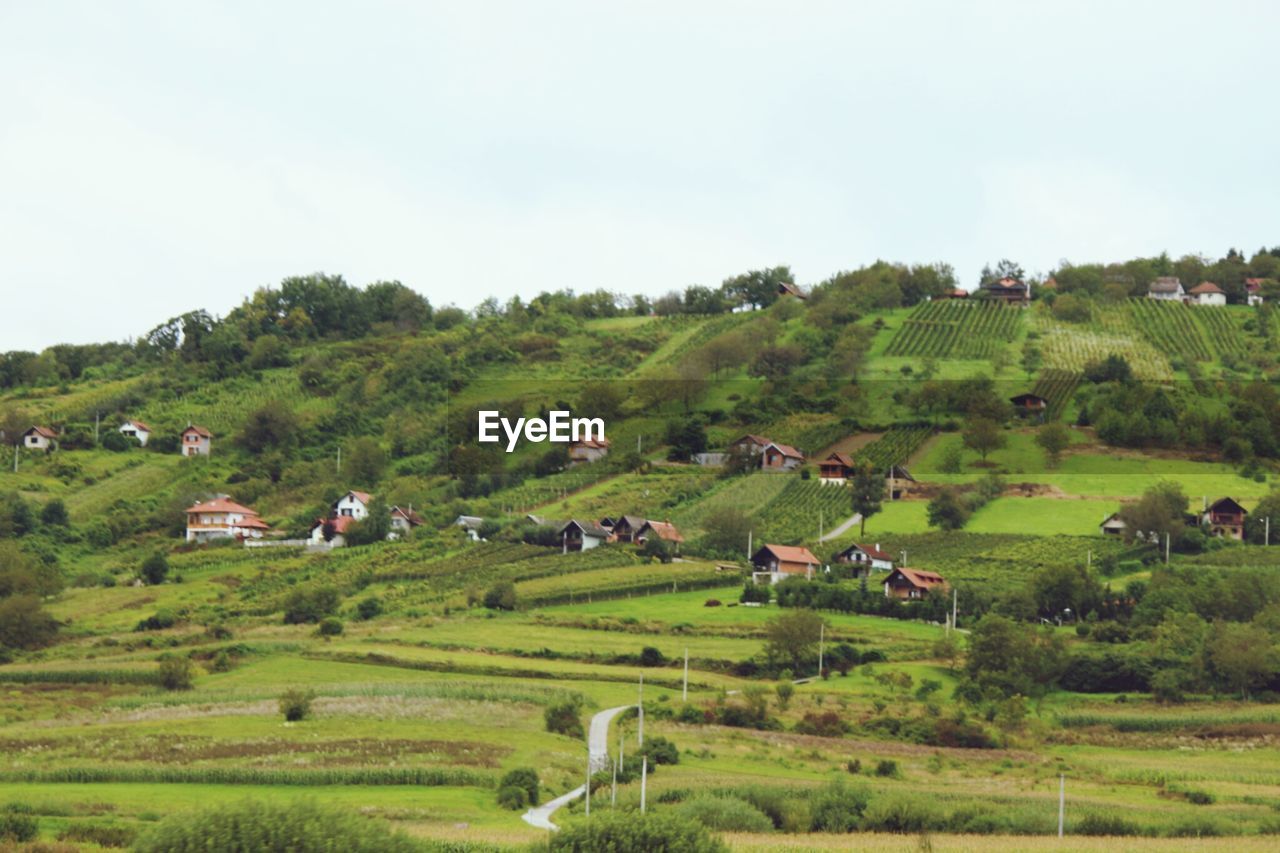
column 664, row 530
column 1208, row 293
column 788, row 289
column 404, row 520
column 40, row 438
column 911, row 584
column 1030, row 405
column 775, row 562
column 352, row 505
column 136, row 430
column 780, row 457
column 953, row 294
column 749, row 445
column 582, row 535
column 897, row 482
column 1008, row 290
column 1253, row 289
column 836, row 468
column 1166, row 287
column 470, row 523
column 1113, row 525
column 196, row 441
column 588, row 450
column 331, row 531
column 865, row 558
column 221, row 518
column 1225, row 517
column 625, row 527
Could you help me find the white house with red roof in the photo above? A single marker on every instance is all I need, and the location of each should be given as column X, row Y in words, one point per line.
column 1253, row 289
column 222, row 518
column 866, row 557
column 39, row 438
column 196, row 441
column 136, row 430
column 1207, row 293
column 353, row 504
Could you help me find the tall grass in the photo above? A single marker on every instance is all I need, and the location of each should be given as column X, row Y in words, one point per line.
column 421, row 776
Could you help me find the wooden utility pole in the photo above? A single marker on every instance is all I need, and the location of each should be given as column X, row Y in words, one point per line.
column 644, row 780
column 1062, row 802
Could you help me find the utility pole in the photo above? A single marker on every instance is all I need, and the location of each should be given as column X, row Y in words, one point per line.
column 1062, row 802
column 684, row 693
column 954, row 598
column 613, row 798
column 588, row 782
column 1166, row 549
column 97, row 417
column 640, row 724
column 337, row 466
column 749, row 532
column 644, row 780
column 1267, row 536
column 822, row 637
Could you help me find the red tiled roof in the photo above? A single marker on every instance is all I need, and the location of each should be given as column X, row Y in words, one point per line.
column 664, row 530
column 918, row 578
column 408, row 515
column 1205, row 287
column 363, row 497
column 602, row 443
column 757, row 440
column 44, row 432
column 139, row 424
column 841, row 458
column 875, row 553
column 1252, row 284
column 221, row 505
column 786, row 450
column 792, row 554
column 198, row 430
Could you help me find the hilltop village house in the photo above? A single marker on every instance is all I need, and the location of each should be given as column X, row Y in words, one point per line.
column 1253, row 289
column 1030, row 405
column 136, row 430
column 912, row 584
column 774, row 562
column 624, row 528
column 196, row 441
column 1224, row 517
column 40, row 438
column 403, row 520
column 1167, row 288
column 898, row 482
column 1113, row 525
column 835, row 469
column 1008, row 290
column 865, row 559
column 353, row 507
column 780, row 457
column 221, row 518
column 578, row 535
column 1208, row 293
column 663, row 530
column 588, row 450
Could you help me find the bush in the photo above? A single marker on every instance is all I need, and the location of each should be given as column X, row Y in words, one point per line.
column 759, row 593
column 512, row 797
column 524, row 778
column 330, row 627
column 631, row 832
column 310, row 605
column 369, row 608
column 900, row 814
column 15, row 826
column 295, row 704
column 154, row 569
column 176, row 672
column 725, row 814
column 838, row 808
column 564, row 718
column 824, row 724
column 501, row 596
column 158, row 621
column 887, row 769
column 660, row 751
column 273, row 828
column 115, row 442
column 99, row 834
column 650, row 656
column 1105, row 824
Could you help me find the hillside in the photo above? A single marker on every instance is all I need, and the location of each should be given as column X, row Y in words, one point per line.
column 141, row 674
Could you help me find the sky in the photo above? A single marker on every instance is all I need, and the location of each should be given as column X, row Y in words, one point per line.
column 161, row 157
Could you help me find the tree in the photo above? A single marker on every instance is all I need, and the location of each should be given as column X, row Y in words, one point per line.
column 154, row 569
column 1032, row 358
column 363, row 461
column 54, row 514
column 757, row 288
column 564, row 717
column 727, row 530
column 524, row 778
column 23, row 624
column 1256, row 523
column 601, row 400
column 685, row 438
column 177, row 672
column 1160, row 512
column 1241, row 657
column 982, row 435
column 501, row 596
column 271, row 427
column 791, row 638
column 374, row 527
column 776, row 362
column 867, row 488
column 1053, row 438
column 947, row 511
column 1013, row 658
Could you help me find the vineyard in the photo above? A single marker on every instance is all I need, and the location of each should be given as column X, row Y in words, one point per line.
column 1056, row 386
column 1171, row 328
column 894, row 447
column 1227, row 337
column 956, row 329
column 795, row 514
column 1073, row 350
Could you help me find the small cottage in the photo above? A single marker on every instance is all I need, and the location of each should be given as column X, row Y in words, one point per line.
column 196, row 441
column 1167, row 288
column 780, row 457
column 1009, row 291
column 1208, row 293
column 40, row 438
column 898, row 482
column 774, row 562
column 664, row 530
column 625, row 527
column 404, row 520
column 1253, row 291
column 1113, row 525
column 353, row 504
column 222, row 518
column 865, row 558
column 582, row 535
column 588, row 450
column 136, row 430
column 470, row 523
column 787, row 288
column 1030, row 405
column 911, row 584
column 836, row 468
column 1225, row 518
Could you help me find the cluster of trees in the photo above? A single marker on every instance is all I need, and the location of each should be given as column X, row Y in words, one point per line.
column 24, row 583
column 1124, row 279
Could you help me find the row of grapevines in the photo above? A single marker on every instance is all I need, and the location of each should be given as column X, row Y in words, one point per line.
column 956, row 329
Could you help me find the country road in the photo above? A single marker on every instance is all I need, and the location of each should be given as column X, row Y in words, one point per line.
column 840, row 531
column 598, row 752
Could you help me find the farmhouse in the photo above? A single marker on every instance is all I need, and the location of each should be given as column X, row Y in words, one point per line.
column 625, row 527
column 470, row 523
column 582, row 535
column 1008, row 290
column 404, row 520
column 897, row 482
column 836, row 468
column 196, row 441
column 588, row 450
column 136, row 430
column 865, row 558
column 664, row 530
column 1032, row 405
column 788, row 289
column 1166, row 287
column 332, row 531
column 749, row 445
column 911, row 584
column 39, row 438
column 775, row 562
column 953, row 294
column 1113, row 525
column 221, row 518
column 352, row 505
column 1208, row 293
column 1225, row 518
column 1253, row 289
column 780, row 457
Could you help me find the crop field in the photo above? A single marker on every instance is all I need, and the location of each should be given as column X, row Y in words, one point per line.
column 956, row 329
column 1172, row 327
column 1058, row 387
column 894, row 447
column 1071, row 349
column 801, row 508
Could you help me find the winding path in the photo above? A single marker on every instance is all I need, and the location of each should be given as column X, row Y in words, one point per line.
column 840, row 531
column 598, row 758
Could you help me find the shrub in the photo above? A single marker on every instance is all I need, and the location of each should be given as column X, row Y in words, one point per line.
column 273, row 828
column 660, row 751
column 176, row 672
column 512, row 797
column 650, row 656
column 726, row 814
column 330, row 627
column 295, row 704
column 15, row 826
column 711, row 602
column 900, row 814
column 564, row 718
column 1199, row 798
column 154, row 569
column 158, row 621
column 824, row 724
column 1105, row 824
column 524, row 778
column 838, row 808
column 369, row 608
column 631, row 832
column 887, row 769
column 310, row 605
column 99, row 834
column 501, row 596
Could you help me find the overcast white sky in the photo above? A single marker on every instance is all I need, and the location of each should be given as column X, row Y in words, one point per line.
column 161, row 157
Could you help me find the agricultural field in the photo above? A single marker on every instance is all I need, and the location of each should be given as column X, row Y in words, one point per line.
column 954, row 328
